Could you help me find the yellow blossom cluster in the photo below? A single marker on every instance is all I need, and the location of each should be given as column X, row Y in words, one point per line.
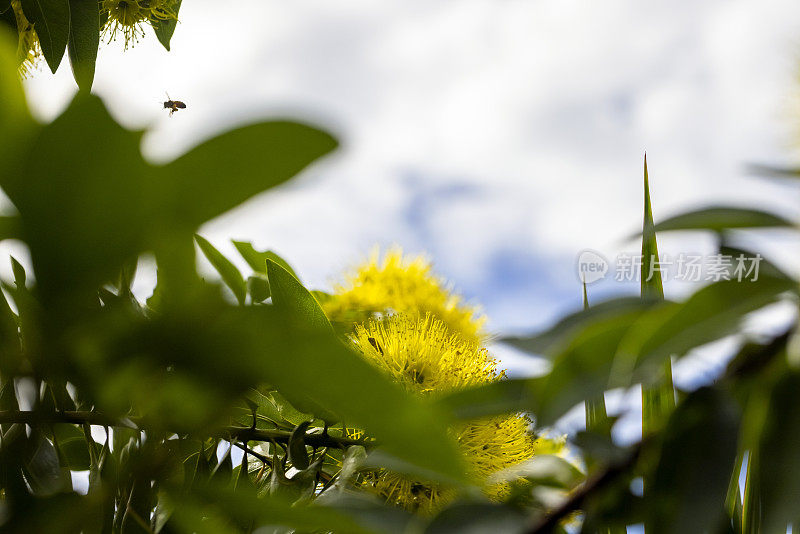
column 406, row 321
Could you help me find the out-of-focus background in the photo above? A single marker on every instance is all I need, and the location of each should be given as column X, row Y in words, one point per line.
column 499, row 137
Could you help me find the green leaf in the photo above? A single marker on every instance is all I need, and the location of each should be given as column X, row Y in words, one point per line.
column 778, row 466
column 549, row 341
column 710, row 314
column 776, row 172
column 164, row 29
column 697, row 457
column 371, row 513
column 290, row 295
column 230, row 274
column 719, row 218
column 258, row 287
column 258, row 260
column 82, row 202
column 658, row 399
column 51, row 20
column 298, row 454
column 223, row 172
column 596, row 414
column 73, row 447
column 495, row 398
column 544, row 470
column 478, row 518
column 10, row 349
column 344, row 383
column 582, row 369
column 43, row 468
column 15, row 121
column 84, row 38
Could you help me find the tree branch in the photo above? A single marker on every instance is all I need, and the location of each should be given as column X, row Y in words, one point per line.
column 245, row 434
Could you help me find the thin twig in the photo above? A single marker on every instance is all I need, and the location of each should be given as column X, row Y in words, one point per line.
column 35, row 418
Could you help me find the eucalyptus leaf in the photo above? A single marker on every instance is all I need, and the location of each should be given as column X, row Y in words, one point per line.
column 164, row 29
column 51, row 20
column 697, row 458
column 84, row 40
column 227, row 270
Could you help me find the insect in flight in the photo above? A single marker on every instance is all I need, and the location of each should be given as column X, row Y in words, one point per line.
column 173, row 105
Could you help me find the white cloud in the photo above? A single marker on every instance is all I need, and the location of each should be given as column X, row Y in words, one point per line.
column 539, row 111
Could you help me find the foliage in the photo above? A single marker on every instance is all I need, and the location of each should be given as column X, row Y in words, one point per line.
column 46, row 28
column 232, row 406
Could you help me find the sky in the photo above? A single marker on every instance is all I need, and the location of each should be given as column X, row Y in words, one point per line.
column 498, row 137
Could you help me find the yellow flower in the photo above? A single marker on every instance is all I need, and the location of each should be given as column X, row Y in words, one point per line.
column 422, row 355
column 128, row 17
column 28, row 48
column 403, row 285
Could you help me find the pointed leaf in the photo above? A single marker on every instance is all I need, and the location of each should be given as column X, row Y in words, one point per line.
column 51, row 20
column 164, row 29
column 227, row 270
column 258, row 260
column 298, row 454
column 84, row 38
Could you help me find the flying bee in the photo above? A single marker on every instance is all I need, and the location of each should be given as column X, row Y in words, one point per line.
column 173, row 105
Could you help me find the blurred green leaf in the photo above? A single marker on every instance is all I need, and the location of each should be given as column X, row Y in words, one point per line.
column 543, row 470
column 341, row 381
column 371, row 513
column 775, row 172
column 73, row 447
column 712, row 313
column 494, row 398
column 81, row 201
column 258, row 260
column 258, row 287
column 164, row 29
column 719, row 218
column 554, row 337
column 51, row 20
column 83, row 41
column 15, row 121
column 230, row 274
column 221, row 173
column 697, row 458
column 43, row 469
column 778, row 466
column 211, row 510
column 595, row 409
column 478, row 518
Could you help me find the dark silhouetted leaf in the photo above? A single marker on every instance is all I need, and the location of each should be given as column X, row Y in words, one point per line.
column 84, row 39
column 51, row 20
column 164, row 29
column 697, row 458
